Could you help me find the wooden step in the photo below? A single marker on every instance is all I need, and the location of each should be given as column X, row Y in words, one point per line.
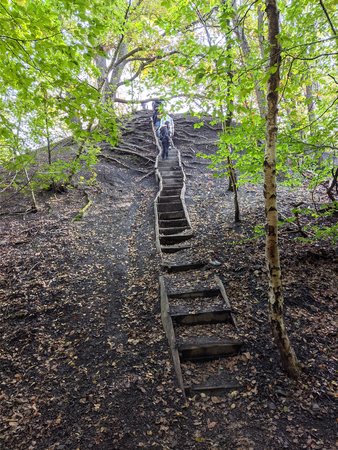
column 162, row 164
column 184, row 317
column 173, row 167
column 214, row 292
column 173, row 223
column 172, row 215
column 212, row 389
column 169, row 198
column 172, row 184
column 170, row 168
column 183, row 266
column 172, row 181
column 171, row 239
column 166, row 177
column 174, row 248
column 173, row 230
column 171, row 191
column 168, row 207
column 171, row 172
column 203, row 348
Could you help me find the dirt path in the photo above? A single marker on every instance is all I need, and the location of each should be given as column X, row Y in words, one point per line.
column 84, row 359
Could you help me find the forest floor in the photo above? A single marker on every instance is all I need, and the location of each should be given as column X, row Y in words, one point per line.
column 85, row 363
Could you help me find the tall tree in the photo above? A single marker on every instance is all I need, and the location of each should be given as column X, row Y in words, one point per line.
column 276, row 300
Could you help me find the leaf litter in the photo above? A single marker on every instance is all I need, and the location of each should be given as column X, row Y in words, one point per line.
column 84, row 358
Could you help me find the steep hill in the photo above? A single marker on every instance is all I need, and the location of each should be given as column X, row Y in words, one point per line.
column 85, row 361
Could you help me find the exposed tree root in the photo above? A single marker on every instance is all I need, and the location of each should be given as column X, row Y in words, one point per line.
column 145, row 176
column 212, row 128
column 125, row 149
column 110, row 158
column 17, row 213
column 191, row 141
column 132, row 147
column 140, row 139
column 192, row 135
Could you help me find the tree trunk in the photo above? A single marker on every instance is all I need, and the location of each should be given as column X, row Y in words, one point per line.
column 233, row 188
column 117, row 71
column 260, row 24
column 101, row 64
column 227, row 125
column 276, row 300
column 49, row 150
column 239, row 31
column 310, row 104
column 34, row 206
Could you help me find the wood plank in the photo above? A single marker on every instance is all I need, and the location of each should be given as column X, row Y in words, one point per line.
column 225, row 297
column 166, row 163
column 170, row 333
column 173, row 223
column 167, row 207
column 171, row 239
column 171, row 191
column 203, row 348
column 171, row 215
column 195, row 293
column 217, row 389
column 217, row 315
column 174, row 248
column 169, row 198
column 172, row 184
column 183, row 267
column 173, row 230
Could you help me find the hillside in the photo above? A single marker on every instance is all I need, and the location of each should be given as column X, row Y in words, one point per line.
column 85, row 361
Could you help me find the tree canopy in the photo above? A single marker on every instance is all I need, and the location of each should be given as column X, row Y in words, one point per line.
column 73, row 68
column 69, row 66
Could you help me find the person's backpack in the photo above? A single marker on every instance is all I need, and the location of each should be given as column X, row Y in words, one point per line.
column 164, row 133
column 168, row 121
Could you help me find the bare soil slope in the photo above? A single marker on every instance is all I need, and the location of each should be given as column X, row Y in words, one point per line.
column 84, row 359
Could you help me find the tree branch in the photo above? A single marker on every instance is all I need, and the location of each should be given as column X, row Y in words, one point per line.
column 131, row 53
column 319, row 117
column 314, row 57
column 328, row 17
column 29, row 40
column 143, row 66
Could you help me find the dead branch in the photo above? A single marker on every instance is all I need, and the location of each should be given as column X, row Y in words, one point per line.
column 10, row 184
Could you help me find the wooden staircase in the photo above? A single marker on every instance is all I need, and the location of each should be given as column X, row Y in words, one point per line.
column 199, row 322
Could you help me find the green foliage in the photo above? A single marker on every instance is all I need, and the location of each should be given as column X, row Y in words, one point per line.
column 329, row 233
column 225, row 70
column 46, row 78
column 309, row 222
column 217, row 67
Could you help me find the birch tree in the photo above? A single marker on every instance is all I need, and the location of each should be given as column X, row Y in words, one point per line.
column 276, row 300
